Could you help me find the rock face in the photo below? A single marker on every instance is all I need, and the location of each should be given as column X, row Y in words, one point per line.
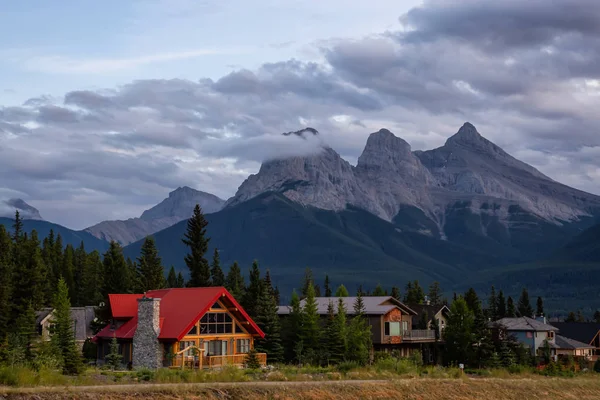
column 175, row 208
column 8, row 208
column 147, row 352
column 469, row 175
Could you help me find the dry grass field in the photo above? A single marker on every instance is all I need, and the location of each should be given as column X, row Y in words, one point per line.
column 580, row 388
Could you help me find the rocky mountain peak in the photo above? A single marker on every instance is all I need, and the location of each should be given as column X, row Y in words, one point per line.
column 181, row 203
column 383, row 148
column 8, row 208
column 302, row 132
column 182, row 191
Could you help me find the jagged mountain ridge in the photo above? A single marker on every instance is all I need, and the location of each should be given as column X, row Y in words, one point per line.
column 26, row 211
column 177, row 207
column 469, row 181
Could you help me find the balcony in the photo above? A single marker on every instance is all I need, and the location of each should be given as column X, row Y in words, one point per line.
column 417, row 335
column 199, row 362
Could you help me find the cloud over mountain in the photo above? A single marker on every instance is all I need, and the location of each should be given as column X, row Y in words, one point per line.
column 521, row 72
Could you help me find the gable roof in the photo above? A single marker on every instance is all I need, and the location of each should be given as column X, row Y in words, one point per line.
column 581, row 331
column 564, row 343
column 430, row 309
column 524, row 324
column 180, row 309
column 374, row 305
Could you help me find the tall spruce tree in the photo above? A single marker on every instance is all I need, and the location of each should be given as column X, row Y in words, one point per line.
column 80, row 266
column 539, row 307
column 310, row 332
column 6, row 280
column 341, row 291
column 172, row 278
column 511, row 311
column 116, row 277
column 396, row 293
column 234, row 282
column 378, row 291
column 414, row 293
column 216, row 273
column 180, row 280
column 268, row 320
column 340, row 333
column 63, row 336
column 28, row 276
column 93, row 279
column 253, row 290
column 359, row 334
column 524, row 306
column 435, row 293
column 500, row 305
column 307, row 281
column 492, row 311
column 292, row 326
column 67, row 269
column 197, row 242
column 327, row 286
column 150, row 271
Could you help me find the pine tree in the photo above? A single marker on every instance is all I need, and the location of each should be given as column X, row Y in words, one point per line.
column 396, row 293
column 63, row 336
column 93, row 280
column 359, row 334
column 67, row 268
column 492, row 311
column 172, row 278
column 48, row 256
column 339, row 345
column 459, row 333
column 57, row 259
column 80, row 266
column 268, row 284
column 501, row 306
column 113, row 358
column 539, row 307
column 435, row 293
column 511, row 311
column 328, row 292
column 133, row 278
column 195, row 238
column 307, row 281
column 29, row 278
column 414, row 293
column 116, row 271
column 180, row 281
column 268, row 321
column 524, row 306
column 216, row 273
column 292, row 325
column 26, row 332
column 571, row 317
column 234, row 282
column 6, row 279
column 310, row 332
column 378, row 291
column 341, row 291
column 150, row 271
column 252, row 361
column 253, row 290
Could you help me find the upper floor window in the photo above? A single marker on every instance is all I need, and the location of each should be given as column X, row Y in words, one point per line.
column 551, row 335
column 216, row 323
column 392, row 329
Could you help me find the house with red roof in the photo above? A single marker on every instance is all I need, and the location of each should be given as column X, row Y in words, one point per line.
column 183, row 327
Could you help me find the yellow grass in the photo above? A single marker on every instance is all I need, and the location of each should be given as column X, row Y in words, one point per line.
column 580, row 388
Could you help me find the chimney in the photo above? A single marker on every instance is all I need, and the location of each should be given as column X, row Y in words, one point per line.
column 541, row 318
column 427, row 302
column 147, row 352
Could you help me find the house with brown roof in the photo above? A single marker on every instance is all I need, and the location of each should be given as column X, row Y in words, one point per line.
column 583, row 332
column 391, row 322
column 185, row 327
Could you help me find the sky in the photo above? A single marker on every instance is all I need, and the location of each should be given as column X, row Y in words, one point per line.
column 106, row 107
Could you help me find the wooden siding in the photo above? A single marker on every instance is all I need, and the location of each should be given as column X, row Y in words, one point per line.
column 376, row 323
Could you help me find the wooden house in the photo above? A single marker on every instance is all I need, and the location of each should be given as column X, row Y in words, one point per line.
column 188, row 327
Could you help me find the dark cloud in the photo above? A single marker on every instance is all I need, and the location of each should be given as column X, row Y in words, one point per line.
column 523, row 72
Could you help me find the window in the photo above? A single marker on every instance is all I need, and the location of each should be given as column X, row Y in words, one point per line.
column 392, row 329
column 216, row 323
column 551, row 335
column 217, row 306
column 404, row 326
column 238, row 329
column 194, row 330
column 217, row 347
column 243, row 345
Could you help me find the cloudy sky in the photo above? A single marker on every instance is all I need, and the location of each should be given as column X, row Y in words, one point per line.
column 107, row 106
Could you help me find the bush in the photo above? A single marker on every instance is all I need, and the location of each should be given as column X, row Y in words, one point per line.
column 145, row 374
column 252, row 361
column 597, row 366
column 347, row 366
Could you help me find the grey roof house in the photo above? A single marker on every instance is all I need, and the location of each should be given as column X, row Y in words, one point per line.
column 82, row 321
column 532, row 333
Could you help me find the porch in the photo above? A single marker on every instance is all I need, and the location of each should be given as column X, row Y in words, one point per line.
column 201, row 361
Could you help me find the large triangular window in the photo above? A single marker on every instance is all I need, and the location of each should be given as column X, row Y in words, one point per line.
column 217, row 306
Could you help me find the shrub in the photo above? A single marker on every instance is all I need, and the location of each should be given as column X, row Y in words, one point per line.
column 347, row 366
column 252, row 361
column 597, row 366
column 145, row 374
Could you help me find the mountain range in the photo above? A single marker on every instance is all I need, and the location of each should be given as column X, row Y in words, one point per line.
column 457, row 214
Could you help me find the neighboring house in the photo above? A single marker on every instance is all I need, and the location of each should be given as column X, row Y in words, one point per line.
column 570, row 347
column 82, row 323
column 583, row 332
column 532, row 333
column 194, row 327
column 431, row 312
column 391, row 322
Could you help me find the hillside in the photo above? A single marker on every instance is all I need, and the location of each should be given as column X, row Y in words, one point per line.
column 69, row 236
column 349, row 245
column 585, row 247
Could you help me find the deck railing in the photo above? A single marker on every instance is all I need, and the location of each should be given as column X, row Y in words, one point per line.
column 201, row 361
column 419, row 334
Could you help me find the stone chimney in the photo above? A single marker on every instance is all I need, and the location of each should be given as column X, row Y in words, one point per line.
column 147, row 351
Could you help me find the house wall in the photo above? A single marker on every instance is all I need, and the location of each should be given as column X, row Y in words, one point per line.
column 442, row 322
column 393, row 316
column 376, row 322
column 534, row 342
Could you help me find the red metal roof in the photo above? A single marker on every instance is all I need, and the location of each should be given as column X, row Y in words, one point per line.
column 123, row 305
column 180, row 309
